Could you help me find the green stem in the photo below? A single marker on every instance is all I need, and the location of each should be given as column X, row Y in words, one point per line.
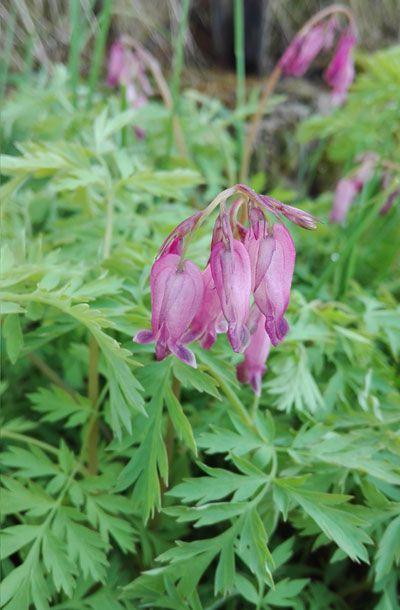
column 177, row 70
column 240, row 74
column 29, row 440
column 51, row 374
column 109, row 227
column 92, row 438
column 98, row 53
column 74, row 52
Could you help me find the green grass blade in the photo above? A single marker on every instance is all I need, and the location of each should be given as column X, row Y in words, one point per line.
column 74, row 51
column 177, row 68
column 99, row 48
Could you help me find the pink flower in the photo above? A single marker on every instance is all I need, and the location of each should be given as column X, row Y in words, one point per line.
column 176, row 295
column 340, row 72
column 231, row 272
column 346, row 191
column 260, row 245
column 126, row 68
column 252, row 369
column 348, row 188
column 303, row 50
column 273, row 294
column 116, row 64
column 249, row 255
column 209, row 319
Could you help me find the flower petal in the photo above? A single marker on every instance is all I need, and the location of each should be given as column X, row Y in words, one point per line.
column 273, row 294
column 231, row 272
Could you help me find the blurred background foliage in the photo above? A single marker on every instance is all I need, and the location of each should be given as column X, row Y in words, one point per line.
column 292, row 501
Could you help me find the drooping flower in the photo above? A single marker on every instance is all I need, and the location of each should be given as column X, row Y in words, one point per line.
column 347, row 188
column 345, row 193
column 231, row 272
column 311, row 41
column 340, row 72
column 273, row 294
column 116, row 64
column 176, row 295
column 252, row 369
column 248, row 256
column 302, row 51
column 126, row 69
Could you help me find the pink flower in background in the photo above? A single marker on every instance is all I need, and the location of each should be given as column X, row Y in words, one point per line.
column 244, row 290
column 252, row 369
column 345, row 193
column 126, row 69
column 340, row 72
column 116, row 64
column 302, row 51
column 308, row 44
column 176, row 295
column 273, row 294
column 348, row 188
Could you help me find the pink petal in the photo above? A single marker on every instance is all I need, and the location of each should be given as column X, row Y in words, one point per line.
column 206, row 323
column 176, row 295
column 346, row 190
column 303, row 50
column 115, row 64
column 231, row 272
column 144, row 336
column 252, row 369
column 273, row 294
column 340, row 72
column 260, row 247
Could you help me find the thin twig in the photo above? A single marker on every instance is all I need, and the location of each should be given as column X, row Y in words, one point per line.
column 51, row 374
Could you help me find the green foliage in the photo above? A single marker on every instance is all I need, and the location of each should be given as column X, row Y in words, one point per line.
column 132, row 483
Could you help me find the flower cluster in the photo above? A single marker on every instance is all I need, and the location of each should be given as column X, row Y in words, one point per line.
column 244, row 290
column 305, row 47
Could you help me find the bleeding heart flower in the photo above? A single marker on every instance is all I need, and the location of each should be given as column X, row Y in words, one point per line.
column 302, row 51
column 176, row 295
column 273, row 294
column 252, row 369
column 340, row 72
column 231, row 272
column 347, row 188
